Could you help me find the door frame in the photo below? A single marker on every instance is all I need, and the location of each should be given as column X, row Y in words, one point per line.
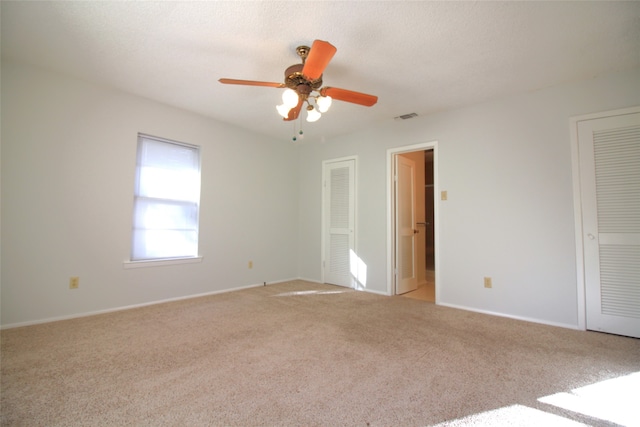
column 391, row 238
column 577, row 206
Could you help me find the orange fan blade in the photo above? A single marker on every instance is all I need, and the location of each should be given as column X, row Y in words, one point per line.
column 349, row 96
column 249, row 83
column 295, row 111
column 319, row 56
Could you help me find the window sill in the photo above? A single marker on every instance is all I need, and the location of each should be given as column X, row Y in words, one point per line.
column 161, row 262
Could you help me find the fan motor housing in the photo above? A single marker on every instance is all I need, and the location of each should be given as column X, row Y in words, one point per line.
column 294, row 79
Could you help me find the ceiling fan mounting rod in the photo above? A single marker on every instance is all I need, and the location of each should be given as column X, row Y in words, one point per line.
column 303, row 52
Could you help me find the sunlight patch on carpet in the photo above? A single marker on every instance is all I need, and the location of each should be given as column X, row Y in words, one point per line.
column 614, row 400
column 515, row 415
column 298, row 293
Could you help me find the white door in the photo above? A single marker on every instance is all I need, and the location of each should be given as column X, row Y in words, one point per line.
column 406, row 271
column 609, row 154
column 339, row 222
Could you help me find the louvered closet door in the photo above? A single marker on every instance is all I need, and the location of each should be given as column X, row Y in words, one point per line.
column 339, row 217
column 610, row 180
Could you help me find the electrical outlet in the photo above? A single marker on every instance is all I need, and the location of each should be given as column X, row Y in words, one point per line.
column 250, row 264
column 487, row 282
column 74, row 282
column 443, row 195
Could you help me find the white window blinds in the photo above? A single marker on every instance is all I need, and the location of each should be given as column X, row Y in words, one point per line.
column 167, row 197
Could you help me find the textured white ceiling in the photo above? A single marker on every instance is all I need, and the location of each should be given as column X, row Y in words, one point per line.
column 415, row 56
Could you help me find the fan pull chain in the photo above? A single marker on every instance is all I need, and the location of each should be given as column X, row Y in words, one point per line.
column 299, row 134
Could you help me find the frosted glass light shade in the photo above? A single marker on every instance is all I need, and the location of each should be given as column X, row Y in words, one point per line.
column 313, row 115
column 283, row 110
column 324, row 102
column 290, row 98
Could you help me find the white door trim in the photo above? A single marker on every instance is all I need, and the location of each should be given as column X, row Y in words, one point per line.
column 391, row 153
column 577, row 206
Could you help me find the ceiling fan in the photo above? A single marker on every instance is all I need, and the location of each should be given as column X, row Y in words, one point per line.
column 302, row 80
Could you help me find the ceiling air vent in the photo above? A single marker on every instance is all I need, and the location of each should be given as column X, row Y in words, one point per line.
column 406, row 116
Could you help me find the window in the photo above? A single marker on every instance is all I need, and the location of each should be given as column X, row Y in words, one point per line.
column 167, row 197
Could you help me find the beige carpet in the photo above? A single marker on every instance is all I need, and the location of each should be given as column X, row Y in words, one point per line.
column 300, row 354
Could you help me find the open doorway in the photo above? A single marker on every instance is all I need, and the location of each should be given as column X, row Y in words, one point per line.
column 425, row 215
column 413, row 221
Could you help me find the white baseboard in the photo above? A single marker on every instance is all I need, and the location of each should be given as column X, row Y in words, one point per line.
column 146, row 304
column 509, row 316
column 127, row 307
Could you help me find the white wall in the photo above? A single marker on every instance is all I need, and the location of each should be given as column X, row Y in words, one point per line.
column 506, row 166
column 68, row 160
column 68, row 164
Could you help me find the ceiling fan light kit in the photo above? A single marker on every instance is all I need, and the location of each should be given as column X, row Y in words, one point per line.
column 290, row 98
column 312, row 114
column 323, row 102
column 304, row 83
